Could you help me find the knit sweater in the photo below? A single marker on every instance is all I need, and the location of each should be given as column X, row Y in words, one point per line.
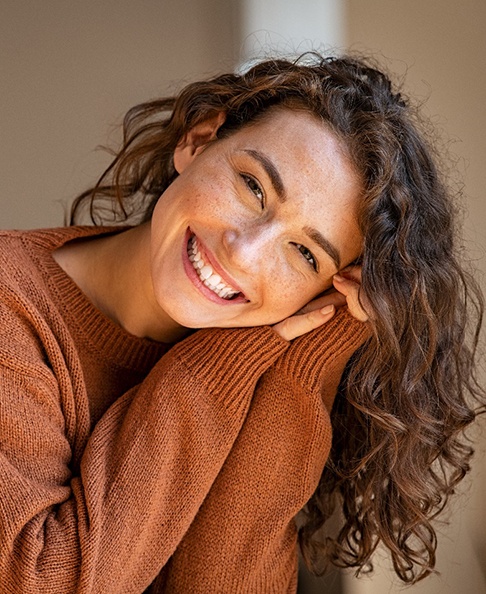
column 127, row 465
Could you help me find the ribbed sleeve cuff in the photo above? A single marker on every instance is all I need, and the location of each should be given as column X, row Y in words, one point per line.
column 230, row 359
column 322, row 354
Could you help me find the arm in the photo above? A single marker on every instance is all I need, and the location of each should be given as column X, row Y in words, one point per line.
column 244, row 538
column 148, row 464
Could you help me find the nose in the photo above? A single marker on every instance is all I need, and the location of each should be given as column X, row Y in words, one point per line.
column 249, row 248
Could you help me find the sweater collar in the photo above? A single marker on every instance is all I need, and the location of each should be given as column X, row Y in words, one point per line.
column 84, row 318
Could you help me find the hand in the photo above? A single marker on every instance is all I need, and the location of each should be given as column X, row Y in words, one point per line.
column 311, row 316
column 348, row 282
column 321, row 310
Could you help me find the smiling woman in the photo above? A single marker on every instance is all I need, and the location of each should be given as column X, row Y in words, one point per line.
column 169, row 388
column 251, row 203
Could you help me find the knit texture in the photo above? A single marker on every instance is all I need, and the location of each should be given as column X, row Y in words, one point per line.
column 125, row 462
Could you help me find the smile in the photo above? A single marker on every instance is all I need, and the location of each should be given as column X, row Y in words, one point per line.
column 206, row 274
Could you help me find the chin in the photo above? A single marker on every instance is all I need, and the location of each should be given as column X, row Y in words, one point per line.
column 187, row 317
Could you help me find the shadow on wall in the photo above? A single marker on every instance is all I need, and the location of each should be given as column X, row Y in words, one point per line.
column 332, row 583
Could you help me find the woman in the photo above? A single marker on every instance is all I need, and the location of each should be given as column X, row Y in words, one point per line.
column 166, row 388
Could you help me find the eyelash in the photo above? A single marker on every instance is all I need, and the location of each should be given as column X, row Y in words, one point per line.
column 255, row 188
column 307, row 255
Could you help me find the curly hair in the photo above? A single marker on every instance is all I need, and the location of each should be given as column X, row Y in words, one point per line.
column 410, row 391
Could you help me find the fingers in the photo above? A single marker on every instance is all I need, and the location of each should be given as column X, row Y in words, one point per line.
column 300, row 324
column 352, row 273
column 332, row 297
column 322, row 309
column 351, row 290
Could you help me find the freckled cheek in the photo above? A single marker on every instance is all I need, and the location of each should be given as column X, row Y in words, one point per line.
column 285, row 291
column 211, row 200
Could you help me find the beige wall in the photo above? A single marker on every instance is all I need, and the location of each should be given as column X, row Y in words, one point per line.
column 290, row 26
column 69, row 69
column 441, row 47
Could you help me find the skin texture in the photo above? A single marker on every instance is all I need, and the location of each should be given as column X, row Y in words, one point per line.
column 254, row 232
column 226, row 198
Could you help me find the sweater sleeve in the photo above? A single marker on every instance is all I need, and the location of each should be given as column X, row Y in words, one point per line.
column 244, row 538
column 150, row 461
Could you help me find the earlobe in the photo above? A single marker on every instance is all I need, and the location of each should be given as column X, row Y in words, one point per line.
column 196, row 139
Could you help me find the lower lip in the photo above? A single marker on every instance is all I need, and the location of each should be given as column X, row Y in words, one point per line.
column 197, row 282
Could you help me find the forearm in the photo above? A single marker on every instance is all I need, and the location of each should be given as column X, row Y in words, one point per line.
column 147, row 467
column 244, row 538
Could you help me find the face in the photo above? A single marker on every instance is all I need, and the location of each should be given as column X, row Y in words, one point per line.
column 255, row 225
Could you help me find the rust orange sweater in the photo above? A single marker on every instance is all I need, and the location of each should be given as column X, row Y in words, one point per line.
column 128, row 466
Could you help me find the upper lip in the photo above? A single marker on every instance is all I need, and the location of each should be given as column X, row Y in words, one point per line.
column 210, row 259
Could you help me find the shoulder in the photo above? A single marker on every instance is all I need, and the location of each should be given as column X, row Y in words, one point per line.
column 25, row 253
column 18, row 248
column 12, row 254
column 35, row 291
column 26, row 304
column 20, row 288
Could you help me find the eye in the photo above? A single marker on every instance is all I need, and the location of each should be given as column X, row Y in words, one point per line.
column 307, row 255
column 254, row 188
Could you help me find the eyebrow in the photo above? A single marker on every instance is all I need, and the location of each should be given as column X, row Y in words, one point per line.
column 271, row 171
column 278, row 186
column 325, row 244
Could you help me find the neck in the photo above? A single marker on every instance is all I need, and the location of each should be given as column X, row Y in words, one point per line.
column 114, row 272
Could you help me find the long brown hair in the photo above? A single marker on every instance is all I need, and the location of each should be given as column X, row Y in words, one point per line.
column 408, row 394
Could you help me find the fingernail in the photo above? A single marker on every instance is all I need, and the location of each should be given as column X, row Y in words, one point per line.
column 338, row 278
column 327, row 310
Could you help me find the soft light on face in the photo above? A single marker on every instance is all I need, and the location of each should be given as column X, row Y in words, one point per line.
column 255, row 225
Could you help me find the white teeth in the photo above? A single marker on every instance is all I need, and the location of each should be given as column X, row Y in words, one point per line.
column 205, row 272
column 214, row 280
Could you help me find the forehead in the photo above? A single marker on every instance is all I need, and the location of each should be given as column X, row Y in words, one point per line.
column 305, row 151
column 321, row 184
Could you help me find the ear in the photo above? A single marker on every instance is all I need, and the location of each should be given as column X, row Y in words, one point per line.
column 195, row 140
